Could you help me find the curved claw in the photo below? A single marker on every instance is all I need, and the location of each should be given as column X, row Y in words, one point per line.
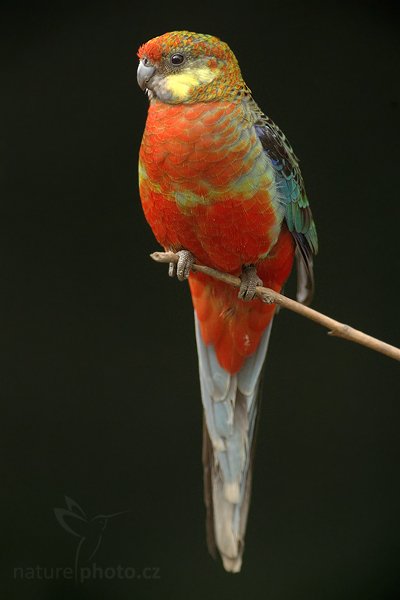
column 183, row 267
column 249, row 282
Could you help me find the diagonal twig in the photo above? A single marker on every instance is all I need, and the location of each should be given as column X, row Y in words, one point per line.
column 269, row 296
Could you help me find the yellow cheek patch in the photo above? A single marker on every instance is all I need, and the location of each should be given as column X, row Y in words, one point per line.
column 181, row 84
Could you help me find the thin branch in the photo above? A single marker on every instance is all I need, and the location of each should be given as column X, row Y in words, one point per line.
column 269, row 296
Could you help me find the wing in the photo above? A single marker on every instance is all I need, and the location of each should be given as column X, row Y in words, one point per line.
column 292, row 194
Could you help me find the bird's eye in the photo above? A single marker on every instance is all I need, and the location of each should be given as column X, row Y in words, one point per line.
column 145, row 61
column 177, row 59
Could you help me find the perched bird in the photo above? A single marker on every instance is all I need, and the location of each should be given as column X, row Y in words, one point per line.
column 220, row 184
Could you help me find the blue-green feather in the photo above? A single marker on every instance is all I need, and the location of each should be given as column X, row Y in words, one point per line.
column 292, row 194
column 289, row 181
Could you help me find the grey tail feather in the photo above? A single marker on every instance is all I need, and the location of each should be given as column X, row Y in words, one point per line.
column 207, row 458
column 305, row 270
column 231, row 411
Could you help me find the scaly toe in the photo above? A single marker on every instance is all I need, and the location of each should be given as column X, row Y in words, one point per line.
column 249, row 282
column 172, row 269
column 184, row 264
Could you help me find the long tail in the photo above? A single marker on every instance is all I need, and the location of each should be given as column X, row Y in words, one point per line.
column 231, row 406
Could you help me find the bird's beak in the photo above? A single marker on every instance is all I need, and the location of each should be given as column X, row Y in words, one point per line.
column 144, row 74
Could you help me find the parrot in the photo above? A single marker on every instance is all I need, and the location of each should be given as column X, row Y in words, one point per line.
column 220, row 185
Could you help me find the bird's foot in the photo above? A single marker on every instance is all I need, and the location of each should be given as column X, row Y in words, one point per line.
column 183, row 267
column 249, row 282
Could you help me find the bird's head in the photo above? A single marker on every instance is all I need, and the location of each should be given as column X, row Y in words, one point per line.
column 184, row 67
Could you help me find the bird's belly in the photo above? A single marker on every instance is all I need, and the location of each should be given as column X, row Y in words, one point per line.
column 224, row 235
column 207, row 186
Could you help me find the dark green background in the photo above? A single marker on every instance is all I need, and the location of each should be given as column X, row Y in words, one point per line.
column 99, row 387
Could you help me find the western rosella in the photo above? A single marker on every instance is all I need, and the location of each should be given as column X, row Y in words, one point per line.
column 220, row 184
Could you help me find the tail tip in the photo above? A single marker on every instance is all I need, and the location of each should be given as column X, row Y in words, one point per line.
column 232, row 565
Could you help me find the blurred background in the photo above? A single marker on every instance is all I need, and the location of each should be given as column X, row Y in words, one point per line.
column 93, row 332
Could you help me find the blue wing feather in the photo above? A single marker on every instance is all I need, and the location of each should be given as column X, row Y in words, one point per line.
column 292, row 194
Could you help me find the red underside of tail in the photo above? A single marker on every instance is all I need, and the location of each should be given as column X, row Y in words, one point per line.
column 232, row 326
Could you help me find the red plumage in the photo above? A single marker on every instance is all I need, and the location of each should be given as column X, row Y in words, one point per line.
column 220, row 180
column 192, row 149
